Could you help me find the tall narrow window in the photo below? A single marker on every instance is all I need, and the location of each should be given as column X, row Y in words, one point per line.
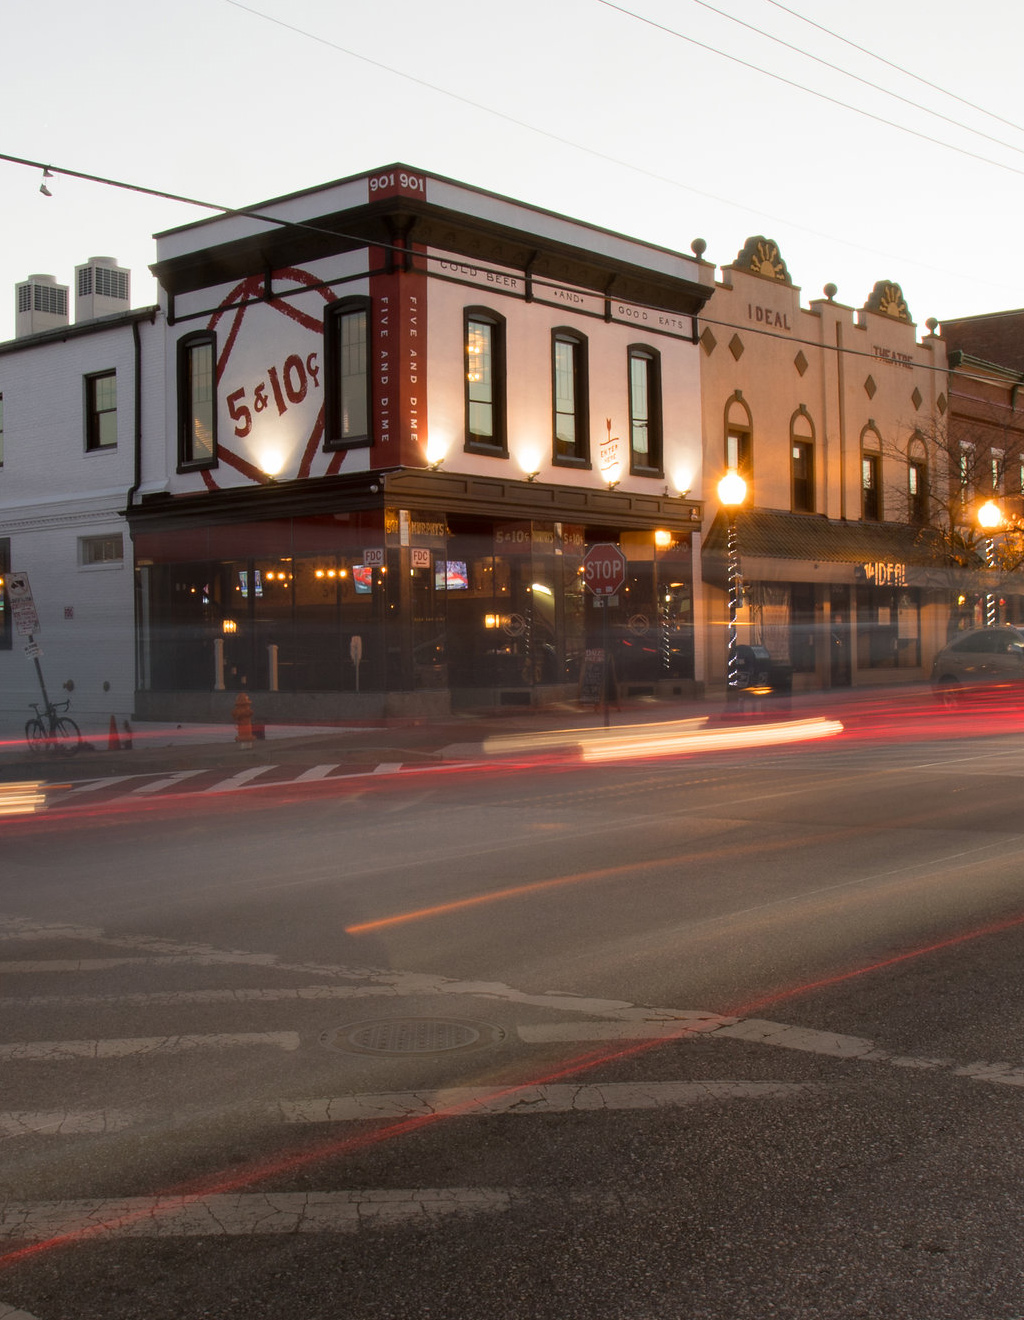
column 803, row 477
column 871, row 486
column 739, row 441
column 1, row 430
column 101, row 411
column 997, row 466
column 569, row 397
column 801, row 432
column 917, row 491
column 645, row 437
column 197, row 401
column 485, row 382
column 347, row 350
column 966, row 472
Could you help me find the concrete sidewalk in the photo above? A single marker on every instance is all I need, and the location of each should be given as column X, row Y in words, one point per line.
column 159, row 747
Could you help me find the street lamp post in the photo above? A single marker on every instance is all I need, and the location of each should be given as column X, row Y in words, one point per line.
column 732, row 491
column 990, row 516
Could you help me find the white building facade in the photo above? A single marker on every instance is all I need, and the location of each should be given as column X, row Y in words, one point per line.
column 71, row 420
column 398, row 412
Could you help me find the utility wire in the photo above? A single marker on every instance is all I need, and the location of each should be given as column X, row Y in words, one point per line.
column 897, row 67
column 592, row 151
column 847, row 73
column 801, row 87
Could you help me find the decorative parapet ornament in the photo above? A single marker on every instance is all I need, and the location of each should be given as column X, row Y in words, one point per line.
column 887, row 298
column 761, row 256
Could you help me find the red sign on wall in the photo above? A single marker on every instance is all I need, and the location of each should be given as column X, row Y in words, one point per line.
column 604, row 569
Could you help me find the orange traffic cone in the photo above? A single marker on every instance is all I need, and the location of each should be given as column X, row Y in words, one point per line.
column 113, row 741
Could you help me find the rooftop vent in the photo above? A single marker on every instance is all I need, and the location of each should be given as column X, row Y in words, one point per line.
column 102, row 288
column 42, row 304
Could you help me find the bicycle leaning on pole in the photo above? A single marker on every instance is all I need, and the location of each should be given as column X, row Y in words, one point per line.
column 50, row 731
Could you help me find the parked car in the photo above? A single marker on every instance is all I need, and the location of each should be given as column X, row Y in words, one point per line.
column 981, row 657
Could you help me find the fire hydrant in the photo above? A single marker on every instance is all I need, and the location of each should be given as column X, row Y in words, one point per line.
column 241, row 713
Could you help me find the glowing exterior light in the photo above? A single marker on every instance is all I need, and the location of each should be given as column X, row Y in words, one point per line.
column 990, row 516
column 662, row 538
column 732, row 490
column 229, row 626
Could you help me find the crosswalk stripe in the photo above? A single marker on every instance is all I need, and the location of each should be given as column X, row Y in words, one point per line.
column 314, row 772
column 55, row 1051
column 242, row 1214
column 168, row 781
column 559, row 1098
column 387, row 767
column 13, row 1313
column 66, row 1123
column 237, row 780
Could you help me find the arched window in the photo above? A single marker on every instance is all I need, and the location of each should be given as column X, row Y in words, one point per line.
column 871, row 473
column 197, row 400
column 347, row 374
column 739, row 440
column 918, row 490
column 801, row 437
column 645, row 431
column 484, row 367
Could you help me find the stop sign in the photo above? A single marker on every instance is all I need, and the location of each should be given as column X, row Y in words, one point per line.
column 604, row 569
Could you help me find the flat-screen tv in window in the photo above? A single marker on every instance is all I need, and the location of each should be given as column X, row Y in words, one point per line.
column 450, row 575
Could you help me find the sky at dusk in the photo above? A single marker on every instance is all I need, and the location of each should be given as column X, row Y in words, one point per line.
column 665, row 120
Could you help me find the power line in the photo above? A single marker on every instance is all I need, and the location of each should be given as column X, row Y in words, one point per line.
column 800, row 87
column 847, row 73
column 898, row 67
column 592, row 151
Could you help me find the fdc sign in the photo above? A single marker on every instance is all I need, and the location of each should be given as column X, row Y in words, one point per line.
column 604, row 569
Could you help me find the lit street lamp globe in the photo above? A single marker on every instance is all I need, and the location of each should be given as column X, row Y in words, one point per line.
column 990, row 516
column 732, row 489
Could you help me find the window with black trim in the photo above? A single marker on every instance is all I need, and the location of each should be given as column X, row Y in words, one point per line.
column 569, row 398
column 917, row 491
column 801, row 435
column 484, row 341
column 347, row 352
column 645, row 433
column 197, row 400
column 101, row 411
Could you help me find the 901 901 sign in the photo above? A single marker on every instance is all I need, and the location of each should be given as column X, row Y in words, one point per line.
column 604, row 569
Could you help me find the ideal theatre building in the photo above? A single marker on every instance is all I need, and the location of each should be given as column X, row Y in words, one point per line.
column 403, row 409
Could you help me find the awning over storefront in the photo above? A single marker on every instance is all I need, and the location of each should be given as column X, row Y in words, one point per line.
column 789, row 547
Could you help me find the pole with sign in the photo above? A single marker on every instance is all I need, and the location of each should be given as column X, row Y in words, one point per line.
column 26, row 622
column 604, row 572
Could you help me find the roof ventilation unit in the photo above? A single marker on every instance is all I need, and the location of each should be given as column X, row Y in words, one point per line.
column 102, row 288
column 41, row 304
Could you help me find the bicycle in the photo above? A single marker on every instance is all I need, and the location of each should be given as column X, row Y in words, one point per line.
column 50, row 731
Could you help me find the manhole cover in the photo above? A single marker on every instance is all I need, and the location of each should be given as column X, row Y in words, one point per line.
column 411, row 1036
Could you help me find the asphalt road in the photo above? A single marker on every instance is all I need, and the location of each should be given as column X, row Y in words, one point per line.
column 727, row 1035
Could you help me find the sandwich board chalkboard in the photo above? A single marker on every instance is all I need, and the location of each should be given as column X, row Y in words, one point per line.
column 591, row 671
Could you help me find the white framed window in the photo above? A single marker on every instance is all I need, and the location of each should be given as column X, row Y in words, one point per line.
column 101, row 551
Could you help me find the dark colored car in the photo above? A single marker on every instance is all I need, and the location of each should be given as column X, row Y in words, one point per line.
column 983, row 657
